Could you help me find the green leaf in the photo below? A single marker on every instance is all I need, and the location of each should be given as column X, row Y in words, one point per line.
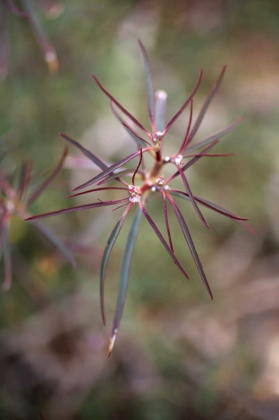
column 111, row 241
column 190, row 243
column 149, row 84
column 215, row 136
column 7, row 261
column 124, row 275
column 53, row 238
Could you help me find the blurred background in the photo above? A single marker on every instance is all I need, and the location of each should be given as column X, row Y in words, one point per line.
column 178, row 355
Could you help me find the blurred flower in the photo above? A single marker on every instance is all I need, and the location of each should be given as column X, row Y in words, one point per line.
column 26, row 11
column 14, row 203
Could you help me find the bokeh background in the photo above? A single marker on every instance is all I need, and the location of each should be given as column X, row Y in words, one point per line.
column 178, row 355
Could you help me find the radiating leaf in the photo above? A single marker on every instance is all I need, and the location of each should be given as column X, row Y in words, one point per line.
column 208, row 204
column 190, row 243
column 139, row 140
column 124, row 276
column 53, row 238
column 214, row 137
column 193, row 201
column 167, row 218
column 186, row 103
column 13, row 7
column 111, row 241
column 5, row 41
column 97, row 189
column 206, row 105
column 160, row 110
column 76, row 208
column 109, row 170
column 186, row 137
column 125, row 172
column 162, row 239
column 38, row 191
column 24, row 178
column 135, row 121
column 149, row 85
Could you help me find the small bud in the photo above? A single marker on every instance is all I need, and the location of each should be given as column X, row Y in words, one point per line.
column 112, row 341
column 178, row 160
column 153, row 188
column 166, row 188
column 133, row 189
column 159, row 135
column 167, row 159
column 134, row 198
column 160, row 180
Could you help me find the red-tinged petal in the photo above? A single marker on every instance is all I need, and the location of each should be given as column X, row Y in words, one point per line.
column 162, row 239
column 76, row 208
column 135, row 121
column 206, row 105
column 38, row 191
column 186, row 103
column 190, row 244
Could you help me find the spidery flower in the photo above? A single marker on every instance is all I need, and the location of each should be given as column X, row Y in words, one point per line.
column 145, row 183
column 27, row 11
column 14, row 202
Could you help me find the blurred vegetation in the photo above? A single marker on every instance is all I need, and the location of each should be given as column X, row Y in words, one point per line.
column 178, row 356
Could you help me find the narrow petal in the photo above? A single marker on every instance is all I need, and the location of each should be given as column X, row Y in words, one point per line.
column 135, row 121
column 38, row 191
column 111, row 241
column 190, row 244
column 149, row 86
column 206, row 105
column 124, row 277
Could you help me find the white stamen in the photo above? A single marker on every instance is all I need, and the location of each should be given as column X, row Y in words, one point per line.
column 178, row 160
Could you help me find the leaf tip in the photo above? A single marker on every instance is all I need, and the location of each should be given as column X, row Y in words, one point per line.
column 111, row 342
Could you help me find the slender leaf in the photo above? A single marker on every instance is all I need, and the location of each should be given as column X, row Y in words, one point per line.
column 162, row 239
column 53, row 238
column 5, row 42
column 193, row 201
column 149, row 86
column 111, row 241
column 137, row 168
column 135, row 121
column 24, row 178
column 76, row 208
column 208, row 204
column 186, row 138
column 206, row 105
column 215, row 136
column 124, row 277
column 190, row 243
column 38, row 191
column 97, row 189
column 139, row 140
column 160, row 110
column 125, row 172
column 167, row 218
column 191, row 162
column 186, row 103
column 109, row 170
column 12, row 6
